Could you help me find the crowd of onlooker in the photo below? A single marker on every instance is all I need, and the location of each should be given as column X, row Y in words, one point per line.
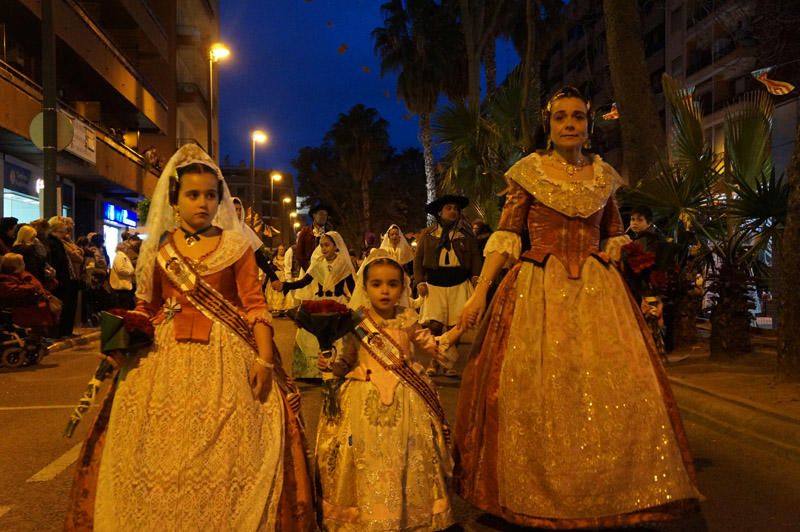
column 53, row 282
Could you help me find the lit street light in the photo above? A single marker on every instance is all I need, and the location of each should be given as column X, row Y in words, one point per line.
column 260, row 137
column 286, row 201
column 216, row 53
column 275, row 177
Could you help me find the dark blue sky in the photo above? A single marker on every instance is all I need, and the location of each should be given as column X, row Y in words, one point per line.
column 287, row 75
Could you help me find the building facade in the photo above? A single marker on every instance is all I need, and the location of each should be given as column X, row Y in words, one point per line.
column 270, row 203
column 707, row 44
column 122, row 68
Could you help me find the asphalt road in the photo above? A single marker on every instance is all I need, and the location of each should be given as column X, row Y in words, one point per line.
column 746, row 488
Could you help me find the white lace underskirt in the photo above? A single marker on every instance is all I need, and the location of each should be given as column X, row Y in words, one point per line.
column 187, row 446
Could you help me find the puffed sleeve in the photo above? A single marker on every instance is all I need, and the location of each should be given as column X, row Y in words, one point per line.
column 254, row 305
column 512, row 221
column 347, row 359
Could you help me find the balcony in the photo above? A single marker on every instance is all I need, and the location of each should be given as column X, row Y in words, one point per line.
column 92, row 52
column 114, row 162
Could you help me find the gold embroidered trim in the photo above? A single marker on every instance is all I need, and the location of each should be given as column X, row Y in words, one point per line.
column 571, row 198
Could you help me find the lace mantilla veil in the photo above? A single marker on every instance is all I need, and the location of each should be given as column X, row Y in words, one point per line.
column 161, row 217
column 360, row 298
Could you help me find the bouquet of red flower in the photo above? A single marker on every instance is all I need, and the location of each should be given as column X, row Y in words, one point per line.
column 122, row 331
column 648, row 271
column 328, row 321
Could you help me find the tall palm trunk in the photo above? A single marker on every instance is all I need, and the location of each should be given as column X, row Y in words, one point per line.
column 530, row 87
column 788, row 302
column 642, row 133
column 427, row 152
column 490, row 66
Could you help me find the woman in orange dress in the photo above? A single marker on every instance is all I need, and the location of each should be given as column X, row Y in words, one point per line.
column 565, row 417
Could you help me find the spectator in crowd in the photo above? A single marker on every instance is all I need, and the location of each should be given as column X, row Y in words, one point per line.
column 482, row 233
column 35, row 256
column 68, row 281
column 31, row 305
column 42, row 227
column 8, row 232
column 121, row 278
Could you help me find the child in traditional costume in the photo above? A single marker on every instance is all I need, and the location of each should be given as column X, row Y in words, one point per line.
column 203, row 432
column 383, row 461
column 330, row 276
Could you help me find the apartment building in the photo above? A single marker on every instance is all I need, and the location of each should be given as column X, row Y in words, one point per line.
column 124, row 70
column 708, row 44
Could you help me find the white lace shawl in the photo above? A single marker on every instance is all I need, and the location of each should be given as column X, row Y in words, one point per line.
column 403, row 253
column 161, row 217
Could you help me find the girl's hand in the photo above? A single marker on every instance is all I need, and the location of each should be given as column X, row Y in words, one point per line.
column 260, row 379
column 473, row 310
column 116, row 358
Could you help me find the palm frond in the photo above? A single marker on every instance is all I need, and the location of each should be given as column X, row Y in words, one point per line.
column 748, row 128
column 689, row 149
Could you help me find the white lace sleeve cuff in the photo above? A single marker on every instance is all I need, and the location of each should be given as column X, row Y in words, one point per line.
column 504, row 242
column 613, row 246
column 259, row 316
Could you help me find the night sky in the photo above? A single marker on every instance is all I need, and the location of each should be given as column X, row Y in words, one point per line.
column 288, row 75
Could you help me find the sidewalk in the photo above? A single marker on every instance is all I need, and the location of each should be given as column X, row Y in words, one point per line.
column 84, row 335
column 741, row 396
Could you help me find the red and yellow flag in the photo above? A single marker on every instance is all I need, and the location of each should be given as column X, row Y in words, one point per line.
column 613, row 113
column 778, row 88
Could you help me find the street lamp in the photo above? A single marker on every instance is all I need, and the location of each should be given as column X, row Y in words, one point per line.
column 286, row 201
column 260, row 137
column 275, row 177
column 216, row 53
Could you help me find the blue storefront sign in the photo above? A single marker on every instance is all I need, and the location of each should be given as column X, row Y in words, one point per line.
column 113, row 213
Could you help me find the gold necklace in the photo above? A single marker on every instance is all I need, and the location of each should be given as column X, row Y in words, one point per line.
column 569, row 168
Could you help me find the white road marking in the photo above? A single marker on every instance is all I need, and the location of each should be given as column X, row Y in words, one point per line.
column 58, row 465
column 4, row 510
column 39, row 407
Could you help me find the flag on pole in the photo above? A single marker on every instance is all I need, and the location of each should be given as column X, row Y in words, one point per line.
column 687, row 94
column 613, row 113
column 778, row 88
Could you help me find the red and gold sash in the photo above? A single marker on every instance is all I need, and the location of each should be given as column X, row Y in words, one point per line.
column 385, row 351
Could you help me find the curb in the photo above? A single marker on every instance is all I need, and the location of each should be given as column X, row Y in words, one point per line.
column 63, row 345
column 754, row 423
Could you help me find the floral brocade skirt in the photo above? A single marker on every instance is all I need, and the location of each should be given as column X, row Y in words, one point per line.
column 187, row 446
column 383, row 467
column 565, row 417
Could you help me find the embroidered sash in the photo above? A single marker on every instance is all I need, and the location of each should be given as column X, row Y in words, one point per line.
column 215, row 307
column 385, row 351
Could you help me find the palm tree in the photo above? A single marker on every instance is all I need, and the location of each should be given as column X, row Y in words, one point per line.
column 360, row 140
column 729, row 209
column 788, row 339
column 482, row 148
column 642, row 133
column 418, row 40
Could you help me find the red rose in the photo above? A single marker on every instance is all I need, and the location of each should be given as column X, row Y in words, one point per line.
column 324, row 306
column 658, row 279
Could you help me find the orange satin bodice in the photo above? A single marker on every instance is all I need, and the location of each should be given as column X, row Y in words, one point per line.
column 571, row 239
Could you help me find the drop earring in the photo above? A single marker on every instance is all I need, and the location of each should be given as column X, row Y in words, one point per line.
column 587, row 145
column 549, row 144
column 177, row 215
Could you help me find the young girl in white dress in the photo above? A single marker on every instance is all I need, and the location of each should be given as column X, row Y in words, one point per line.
column 384, row 463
